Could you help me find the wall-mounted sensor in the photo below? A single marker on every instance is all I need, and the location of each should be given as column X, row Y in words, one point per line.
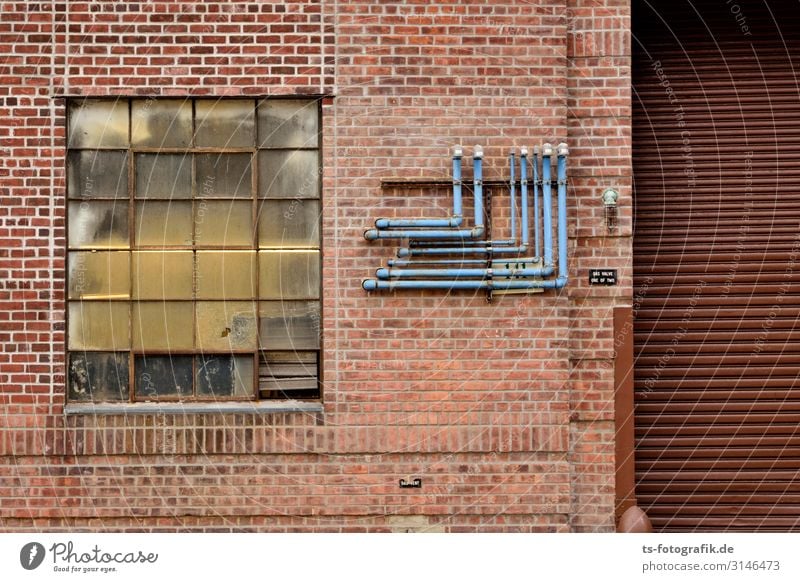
column 610, row 197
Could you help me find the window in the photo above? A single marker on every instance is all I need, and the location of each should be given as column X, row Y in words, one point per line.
column 193, row 268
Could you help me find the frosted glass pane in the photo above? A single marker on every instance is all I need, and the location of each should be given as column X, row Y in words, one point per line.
column 161, row 123
column 226, row 325
column 97, row 224
column 223, row 223
column 289, row 325
column 99, row 275
column 163, row 325
column 163, row 223
column 288, row 123
column 162, row 275
column 288, row 274
column 98, row 123
column 225, row 123
column 223, row 175
column 226, row 274
column 97, row 174
column 292, row 174
column 164, row 176
column 288, row 223
column 98, row 325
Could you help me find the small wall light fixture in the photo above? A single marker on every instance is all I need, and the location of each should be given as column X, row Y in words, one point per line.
column 610, row 197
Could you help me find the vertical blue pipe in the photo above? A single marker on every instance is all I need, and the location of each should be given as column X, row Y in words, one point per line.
column 457, row 203
column 513, row 198
column 477, row 165
column 547, row 152
column 562, row 210
column 523, row 186
column 537, row 223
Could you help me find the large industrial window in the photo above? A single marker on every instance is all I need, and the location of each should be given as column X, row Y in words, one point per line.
column 193, row 249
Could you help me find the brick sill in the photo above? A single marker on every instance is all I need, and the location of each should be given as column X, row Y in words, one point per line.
column 127, row 409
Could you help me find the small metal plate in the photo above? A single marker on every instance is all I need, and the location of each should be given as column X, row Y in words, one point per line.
column 516, row 264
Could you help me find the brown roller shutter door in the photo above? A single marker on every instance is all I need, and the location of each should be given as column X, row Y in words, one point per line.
column 716, row 160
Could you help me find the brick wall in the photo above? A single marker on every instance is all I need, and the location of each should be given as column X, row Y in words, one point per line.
column 503, row 409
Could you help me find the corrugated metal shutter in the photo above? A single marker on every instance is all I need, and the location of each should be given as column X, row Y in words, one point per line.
column 716, row 145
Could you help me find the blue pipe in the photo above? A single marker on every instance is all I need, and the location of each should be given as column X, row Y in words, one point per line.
column 384, row 273
column 513, row 197
column 537, row 247
column 523, row 187
column 373, row 285
column 458, row 212
column 562, row 211
column 473, row 233
column 547, row 152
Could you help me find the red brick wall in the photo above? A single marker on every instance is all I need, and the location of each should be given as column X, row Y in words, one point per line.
column 503, row 409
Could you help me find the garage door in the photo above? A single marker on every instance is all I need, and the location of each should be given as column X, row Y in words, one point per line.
column 716, row 146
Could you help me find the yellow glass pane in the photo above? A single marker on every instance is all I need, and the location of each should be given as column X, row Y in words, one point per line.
column 97, row 174
column 291, row 274
column 288, row 174
column 223, row 175
column 225, row 123
column 224, row 376
column 226, row 325
column 98, row 123
column 162, row 274
column 288, row 123
column 98, row 224
column 163, row 325
column 161, row 123
column 226, row 274
column 223, row 223
column 288, row 223
column 161, row 223
column 164, row 176
column 98, row 325
column 99, row 275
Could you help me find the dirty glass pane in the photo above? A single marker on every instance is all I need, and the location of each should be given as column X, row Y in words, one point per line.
column 163, row 176
column 288, row 274
column 224, row 376
column 226, row 274
column 99, row 275
column 288, row 123
column 98, row 325
column 97, row 174
column 223, row 175
column 162, row 376
column 162, row 274
column 97, row 224
column 163, row 325
column 224, row 123
column 223, row 223
column 97, row 376
column 289, row 325
column 161, row 123
column 161, row 223
column 97, row 123
column 288, row 223
column 226, row 325
column 288, row 174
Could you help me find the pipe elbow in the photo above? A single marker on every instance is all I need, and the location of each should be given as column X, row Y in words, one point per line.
column 403, row 252
column 477, row 231
column 382, row 273
column 382, row 223
column 561, row 282
column 371, row 234
column 369, row 285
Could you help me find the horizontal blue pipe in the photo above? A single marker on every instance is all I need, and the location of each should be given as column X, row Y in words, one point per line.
column 462, row 251
column 467, row 273
column 374, row 285
column 467, row 243
column 375, row 234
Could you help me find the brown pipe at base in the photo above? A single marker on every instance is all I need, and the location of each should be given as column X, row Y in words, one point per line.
column 634, row 520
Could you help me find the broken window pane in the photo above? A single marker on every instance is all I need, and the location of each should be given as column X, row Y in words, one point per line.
column 224, row 124
column 161, row 123
column 97, row 174
column 164, row 176
column 223, row 223
column 226, row 325
column 99, row 275
column 289, row 325
column 163, row 325
column 226, row 274
column 292, row 274
column 97, row 224
column 223, row 376
column 288, row 375
column 161, row 223
column 162, row 274
column 223, row 175
column 288, row 174
column 98, row 123
column 162, row 376
column 99, row 325
column 288, row 223
column 288, row 123
column 97, row 376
